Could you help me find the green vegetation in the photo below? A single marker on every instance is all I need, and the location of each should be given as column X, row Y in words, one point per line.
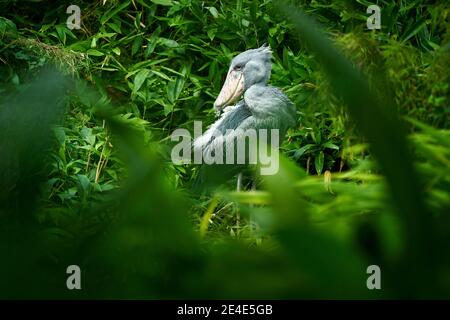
column 86, row 175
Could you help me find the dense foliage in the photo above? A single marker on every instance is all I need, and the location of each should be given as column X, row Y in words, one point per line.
column 85, row 161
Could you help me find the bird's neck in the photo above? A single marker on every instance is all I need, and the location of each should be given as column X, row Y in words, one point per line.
column 255, row 89
column 253, row 96
column 258, row 85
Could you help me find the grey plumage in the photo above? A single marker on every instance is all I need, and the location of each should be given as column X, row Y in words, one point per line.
column 262, row 106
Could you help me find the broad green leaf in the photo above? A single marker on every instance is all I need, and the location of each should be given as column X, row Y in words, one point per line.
column 61, row 30
column 116, row 50
column 95, row 53
column 139, row 79
column 214, row 12
column 318, row 162
column 330, row 145
column 137, row 45
column 168, row 108
column 60, row 134
column 115, row 27
column 151, row 45
column 302, row 150
column 84, row 182
column 169, row 42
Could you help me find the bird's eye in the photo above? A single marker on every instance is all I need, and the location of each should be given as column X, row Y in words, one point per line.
column 238, row 68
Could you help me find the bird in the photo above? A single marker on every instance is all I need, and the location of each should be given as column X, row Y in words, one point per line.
column 246, row 101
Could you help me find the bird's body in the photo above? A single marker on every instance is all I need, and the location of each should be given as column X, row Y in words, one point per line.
column 262, row 106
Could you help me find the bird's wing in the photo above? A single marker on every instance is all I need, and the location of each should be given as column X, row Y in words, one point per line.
column 248, row 130
column 272, row 108
column 268, row 109
column 210, row 176
column 231, row 118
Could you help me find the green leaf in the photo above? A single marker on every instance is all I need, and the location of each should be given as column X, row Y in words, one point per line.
column 175, row 88
column 413, row 30
column 169, row 42
column 214, row 12
column 60, row 134
column 168, row 108
column 162, row 75
column 330, row 145
column 115, row 27
column 211, row 33
column 317, row 136
column 111, row 13
column 139, row 79
column 116, row 50
column 302, row 150
column 15, row 79
column 163, row 2
column 137, row 44
column 95, row 53
column 84, row 182
column 151, row 45
column 87, row 135
column 7, row 27
column 61, row 30
column 318, row 162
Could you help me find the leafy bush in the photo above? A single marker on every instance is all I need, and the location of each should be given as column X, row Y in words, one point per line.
column 86, row 164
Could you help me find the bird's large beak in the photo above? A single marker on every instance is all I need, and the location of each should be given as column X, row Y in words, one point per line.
column 231, row 91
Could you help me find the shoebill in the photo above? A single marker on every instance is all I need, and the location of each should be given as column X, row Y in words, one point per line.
column 246, row 101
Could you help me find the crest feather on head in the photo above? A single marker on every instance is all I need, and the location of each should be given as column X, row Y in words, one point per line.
column 264, row 53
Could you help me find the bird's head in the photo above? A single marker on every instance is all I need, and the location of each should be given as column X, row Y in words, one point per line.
column 247, row 69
